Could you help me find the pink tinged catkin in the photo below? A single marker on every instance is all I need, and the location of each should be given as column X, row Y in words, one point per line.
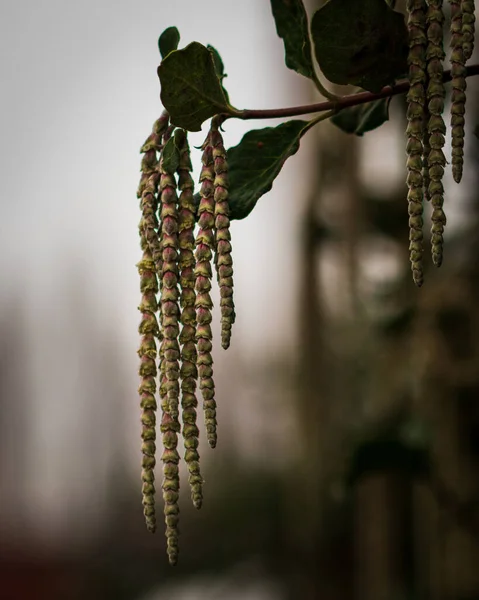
column 169, row 285
column 148, row 188
column 149, row 332
column 148, row 327
column 205, row 241
column 170, row 458
column 468, row 27
column 188, row 370
column 458, row 96
column 436, row 127
column 416, row 99
column 223, row 258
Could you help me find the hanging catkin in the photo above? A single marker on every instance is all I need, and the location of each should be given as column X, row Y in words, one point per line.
column 204, row 252
column 188, row 370
column 416, row 99
column 169, row 285
column 149, row 188
column 223, row 258
column 458, row 97
column 426, row 148
column 148, row 327
column 435, row 94
column 170, row 458
column 149, row 333
column 468, row 27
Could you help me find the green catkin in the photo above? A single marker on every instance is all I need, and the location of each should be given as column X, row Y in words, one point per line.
column 170, row 428
column 188, row 370
column 223, row 258
column 426, row 149
column 416, row 99
column 468, row 27
column 436, row 126
column 169, row 285
column 152, row 145
column 149, row 188
column 204, row 252
column 425, row 160
column 458, row 98
column 148, row 327
column 149, row 331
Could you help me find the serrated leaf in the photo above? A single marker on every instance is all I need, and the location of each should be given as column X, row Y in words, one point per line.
column 168, row 41
column 190, row 89
column 257, row 160
column 170, row 156
column 364, row 117
column 363, row 43
column 292, row 26
column 219, row 67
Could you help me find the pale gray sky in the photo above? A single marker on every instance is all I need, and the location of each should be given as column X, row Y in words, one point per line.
column 79, row 96
column 80, row 93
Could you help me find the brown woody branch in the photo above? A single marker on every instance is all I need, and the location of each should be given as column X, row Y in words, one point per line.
column 344, row 102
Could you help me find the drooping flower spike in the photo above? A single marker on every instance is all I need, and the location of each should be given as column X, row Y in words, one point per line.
column 416, row 99
column 148, row 327
column 468, row 11
column 458, row 97
column 223, row 258
column 205, row 242
column 188, row 369
column 436, row 93
column 148, row 349
column 170, row 428
column 169, row 284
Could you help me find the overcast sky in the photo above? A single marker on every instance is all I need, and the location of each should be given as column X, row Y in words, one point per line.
column 79, row 96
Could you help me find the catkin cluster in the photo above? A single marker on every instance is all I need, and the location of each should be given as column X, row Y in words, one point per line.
column 175, row 328
column 426, row 128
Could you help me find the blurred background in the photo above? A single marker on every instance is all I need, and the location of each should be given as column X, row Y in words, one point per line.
column 348, row 454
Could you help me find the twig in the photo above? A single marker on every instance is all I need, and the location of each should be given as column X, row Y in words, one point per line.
column 342, row 102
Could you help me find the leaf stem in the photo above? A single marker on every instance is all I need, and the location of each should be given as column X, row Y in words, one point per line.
column 322, row 117
column 322, row 90
column 338, row 104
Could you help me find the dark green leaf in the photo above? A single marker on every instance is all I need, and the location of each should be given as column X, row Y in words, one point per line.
column 292, row 26
column 363, row 43
column 219, row 67
column 190, row 89
column 476, row 131
column 257, row 160
column 168, row 41
column 364, row 117
column 170, row 156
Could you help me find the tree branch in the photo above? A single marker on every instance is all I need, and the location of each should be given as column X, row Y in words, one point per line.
column 343, row 102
